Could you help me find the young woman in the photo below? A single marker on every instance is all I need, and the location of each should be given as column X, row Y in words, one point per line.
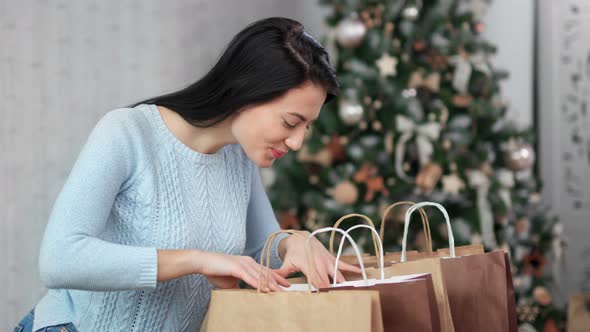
column 165, row 200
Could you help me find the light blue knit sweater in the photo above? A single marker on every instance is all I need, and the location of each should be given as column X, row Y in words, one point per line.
column 136, row 188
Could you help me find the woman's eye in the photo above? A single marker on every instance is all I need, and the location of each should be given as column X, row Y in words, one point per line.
column 288, row 125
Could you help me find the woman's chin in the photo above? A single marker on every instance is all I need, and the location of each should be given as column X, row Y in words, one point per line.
column 265, row 163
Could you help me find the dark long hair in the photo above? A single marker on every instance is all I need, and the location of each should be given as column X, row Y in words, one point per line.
column 260, row 64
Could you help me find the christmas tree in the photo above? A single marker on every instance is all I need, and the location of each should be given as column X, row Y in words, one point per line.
column 421, row 118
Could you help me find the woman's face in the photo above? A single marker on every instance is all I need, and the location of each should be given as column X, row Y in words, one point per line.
column 268, row 131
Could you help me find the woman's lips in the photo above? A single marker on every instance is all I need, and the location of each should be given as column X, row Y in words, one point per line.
column 277, row 153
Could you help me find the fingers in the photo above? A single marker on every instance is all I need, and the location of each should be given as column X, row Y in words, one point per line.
column 285, row 270
column 322, row 276
column 330, row 268
column 253, row 271
column 348, row 267
column 280, row 279
column 313, row 278
column 339, row 277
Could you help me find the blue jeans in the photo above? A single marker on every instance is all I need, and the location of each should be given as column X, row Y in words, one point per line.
column 26, row 325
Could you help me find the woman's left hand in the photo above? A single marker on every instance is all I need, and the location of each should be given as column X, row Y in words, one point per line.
column 292, row 250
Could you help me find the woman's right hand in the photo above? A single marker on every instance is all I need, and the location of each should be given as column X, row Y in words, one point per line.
column 224, row 271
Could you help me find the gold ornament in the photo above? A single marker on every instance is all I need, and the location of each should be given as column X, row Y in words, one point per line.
column 377, row 104
column 389, row 142
column 344, row 193
column 550, row 326
column 452, row 184
column 446, row 144
column 462, row 100
column 336, row 149
column 519, row 156
column 311, row 220
column 487, row 169
column 377, row 126
column 288, row 220
column 368, row 175
column 388, row 30
column 444, row 115
column 436, row 60
column 322, row 157
column 478, row 27
column 431, row 81
column 373, row 16
column 542, row 295
column 387, row 65
column 314, row 179
column 522, row 226
column 428, row 177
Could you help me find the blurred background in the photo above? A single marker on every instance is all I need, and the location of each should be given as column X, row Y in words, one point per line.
column 65, row 64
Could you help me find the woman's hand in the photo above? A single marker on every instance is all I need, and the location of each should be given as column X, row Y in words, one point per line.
column 292, row 250
column 224, row 271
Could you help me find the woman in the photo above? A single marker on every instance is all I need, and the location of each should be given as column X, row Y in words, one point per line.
column 165, row 202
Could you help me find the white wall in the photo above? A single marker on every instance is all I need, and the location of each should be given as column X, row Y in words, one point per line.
column 509, row 25
column 564, row 119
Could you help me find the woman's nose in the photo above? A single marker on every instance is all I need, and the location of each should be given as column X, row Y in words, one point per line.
column 295, row 141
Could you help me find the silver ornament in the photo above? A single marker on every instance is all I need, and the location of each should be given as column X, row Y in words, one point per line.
column 410, row 13
column 350, row 112
column 350, row 32
column 355, row 152
column 526, row 327
column 409, row 93
column 520, row 156
column 522, row 283
column 462, row 228
column 369, row 141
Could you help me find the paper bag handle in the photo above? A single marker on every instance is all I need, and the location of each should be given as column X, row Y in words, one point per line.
column 425, row 223
column 337, row 223
column 407, row 225
column 380, row 252
column 347, row 236
column 266, row 249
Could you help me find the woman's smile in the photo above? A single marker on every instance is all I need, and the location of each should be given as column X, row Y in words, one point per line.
column 277, row 153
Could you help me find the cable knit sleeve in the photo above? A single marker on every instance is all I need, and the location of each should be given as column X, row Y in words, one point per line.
column 261, row 222
column 72, row 256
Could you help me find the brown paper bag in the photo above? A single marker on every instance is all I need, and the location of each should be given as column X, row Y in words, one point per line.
column 427, row 265
column 479, row 287
column 249, row 310
column 408, row 303
column 578, row 315
column 480, row 292
column 252, row 310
